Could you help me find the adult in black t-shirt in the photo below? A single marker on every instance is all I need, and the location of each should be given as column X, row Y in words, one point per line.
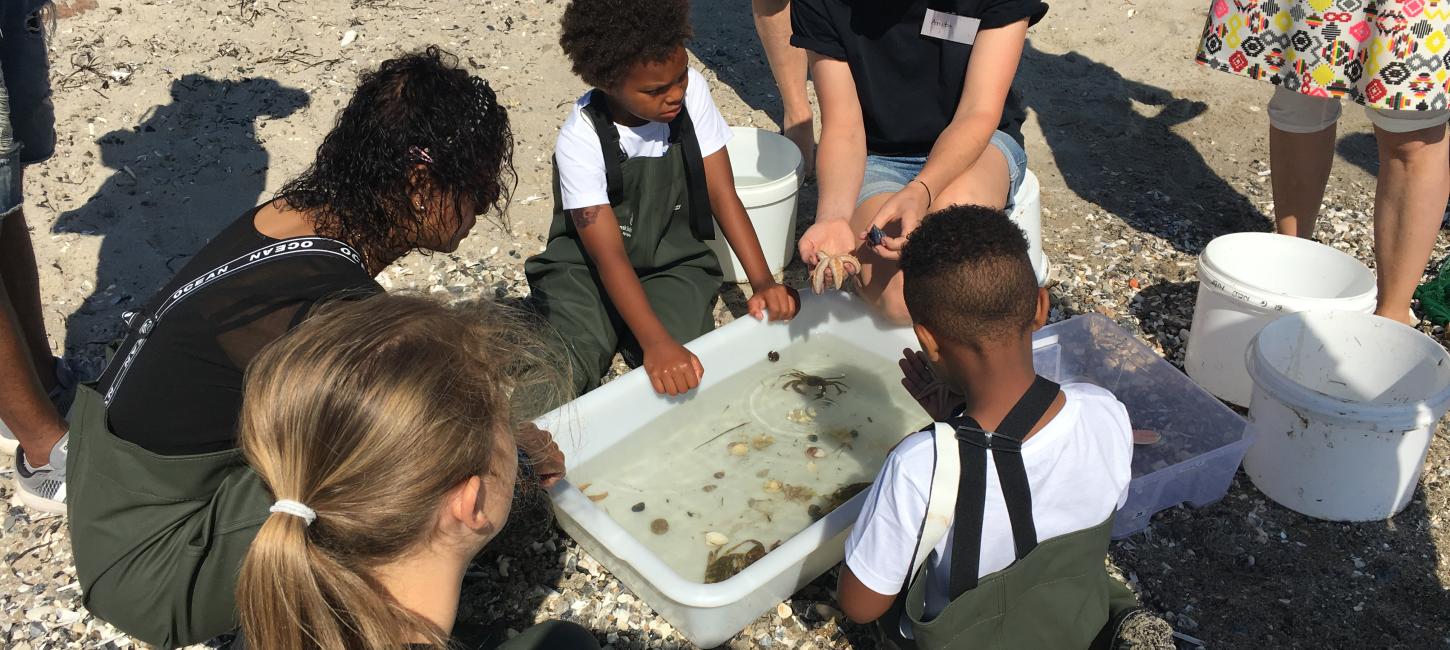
column 918, row 113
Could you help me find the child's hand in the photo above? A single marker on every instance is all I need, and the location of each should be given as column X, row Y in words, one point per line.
column 777, row 300
column 939, row 399
column 546, row 458
column 672, row 369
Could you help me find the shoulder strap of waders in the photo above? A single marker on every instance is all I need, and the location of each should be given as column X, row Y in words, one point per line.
column 598, row 113
column 139, row 325
column 1005, row 445
column 702, row 217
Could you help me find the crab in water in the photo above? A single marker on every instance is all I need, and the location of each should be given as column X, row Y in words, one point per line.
column 814, row 386
column 840, row 267
column 835, row 500
column 724, row 564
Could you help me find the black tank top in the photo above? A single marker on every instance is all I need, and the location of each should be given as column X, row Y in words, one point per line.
column 182, row 392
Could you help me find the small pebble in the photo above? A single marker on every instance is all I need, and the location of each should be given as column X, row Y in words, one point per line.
column 773, row 356
column 659, row 526
column 638, row 507
column 783, row 610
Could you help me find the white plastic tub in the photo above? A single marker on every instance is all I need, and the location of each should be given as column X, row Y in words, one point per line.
column 709, row 614
column 767, row 170
column 1246, row 281
column 1343, row 411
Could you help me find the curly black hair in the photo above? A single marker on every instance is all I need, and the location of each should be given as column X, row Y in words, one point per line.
column 967, row 275
column 417, row 108
column 605, row 38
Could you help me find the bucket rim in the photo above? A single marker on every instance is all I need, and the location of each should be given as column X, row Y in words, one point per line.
column 1217, row 278
column 1267, row 377
column 792, row 178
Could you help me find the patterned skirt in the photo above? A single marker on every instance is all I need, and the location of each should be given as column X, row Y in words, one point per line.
column 1389, row 54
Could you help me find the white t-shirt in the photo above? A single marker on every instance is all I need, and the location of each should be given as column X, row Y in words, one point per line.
column 581, row 161
column 1078, row 468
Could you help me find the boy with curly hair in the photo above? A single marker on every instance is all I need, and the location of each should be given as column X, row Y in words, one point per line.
column 1007, row 502
column 641, row 179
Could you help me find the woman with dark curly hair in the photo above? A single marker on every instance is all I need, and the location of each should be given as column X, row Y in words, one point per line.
column 642, row 178
column 161, row 502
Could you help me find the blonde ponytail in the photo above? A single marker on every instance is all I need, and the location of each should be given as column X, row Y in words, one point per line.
column 364, row 412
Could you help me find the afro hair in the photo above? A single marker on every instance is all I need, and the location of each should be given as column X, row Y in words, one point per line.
column 967, row 275
column 605, row 38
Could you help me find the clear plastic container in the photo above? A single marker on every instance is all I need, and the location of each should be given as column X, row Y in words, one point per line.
column 1202, row 441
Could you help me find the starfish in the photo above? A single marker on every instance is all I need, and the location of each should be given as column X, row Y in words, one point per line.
column 841, row 267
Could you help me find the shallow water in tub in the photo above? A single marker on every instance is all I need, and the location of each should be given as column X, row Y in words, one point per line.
column 757, row 456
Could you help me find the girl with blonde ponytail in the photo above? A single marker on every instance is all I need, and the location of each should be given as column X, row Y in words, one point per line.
column 383, row 427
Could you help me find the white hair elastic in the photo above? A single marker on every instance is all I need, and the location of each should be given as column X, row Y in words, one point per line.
column 296, row 509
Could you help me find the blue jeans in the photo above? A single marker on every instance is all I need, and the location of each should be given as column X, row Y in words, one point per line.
column 891, row 173
column 27, row 118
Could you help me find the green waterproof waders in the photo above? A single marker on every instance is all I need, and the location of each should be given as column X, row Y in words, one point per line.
column 159, row 540
column 663, row 209
column 1057, row 595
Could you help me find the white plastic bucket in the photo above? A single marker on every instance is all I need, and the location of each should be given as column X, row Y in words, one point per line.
column 1027, row 214
column 767, row 170
column 1344, row 407
column 1248, row 279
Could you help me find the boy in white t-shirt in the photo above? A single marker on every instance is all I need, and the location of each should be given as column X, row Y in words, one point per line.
column 642, row 178
column 974, row 299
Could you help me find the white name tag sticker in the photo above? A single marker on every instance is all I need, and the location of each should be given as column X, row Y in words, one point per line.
column 950, row 27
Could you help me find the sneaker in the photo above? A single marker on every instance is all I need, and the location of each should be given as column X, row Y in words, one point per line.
column 61, row 396
column 43, row 488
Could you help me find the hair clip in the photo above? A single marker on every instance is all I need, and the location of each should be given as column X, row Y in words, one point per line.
column 420, row 154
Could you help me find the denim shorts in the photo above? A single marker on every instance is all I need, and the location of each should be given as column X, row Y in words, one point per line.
column 891, row 173
column 27, row 118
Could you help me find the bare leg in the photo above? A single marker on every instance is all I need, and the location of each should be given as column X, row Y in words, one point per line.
column 788, row 65
column 1300, row 164
column 29, row 414
column 985, row 183
column 1414, row 183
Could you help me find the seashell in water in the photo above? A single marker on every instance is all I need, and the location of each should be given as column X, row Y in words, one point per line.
column 815, row 452
column 738, row 449
column 716, row 539
column 772, row 486
column 659, row 526
column 598, row 497
column 762, row 441
column 1146, row 437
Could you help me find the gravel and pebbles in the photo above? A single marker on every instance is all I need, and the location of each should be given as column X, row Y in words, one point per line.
column 1239, row 573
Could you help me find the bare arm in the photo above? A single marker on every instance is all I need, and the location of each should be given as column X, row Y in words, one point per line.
column 671, row 368
column 769, row 297
column 730, row 214
column 841, row 160
column 859, row 602
column 989, row 77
